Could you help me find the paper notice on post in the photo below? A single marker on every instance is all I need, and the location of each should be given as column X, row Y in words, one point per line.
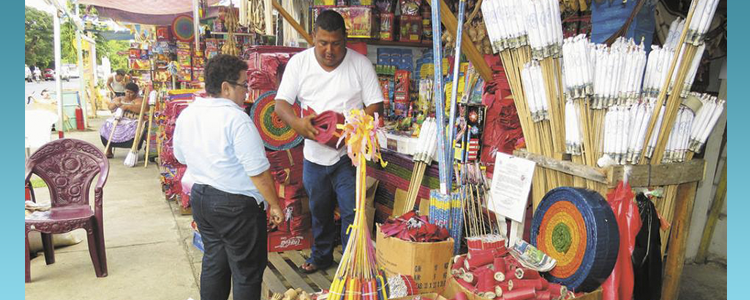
column 511, row 183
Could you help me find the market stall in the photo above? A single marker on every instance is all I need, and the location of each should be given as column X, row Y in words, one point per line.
column 514, row 145
column 581, row 113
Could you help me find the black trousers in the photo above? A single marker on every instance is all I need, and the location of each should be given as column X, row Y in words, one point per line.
column 233, row 228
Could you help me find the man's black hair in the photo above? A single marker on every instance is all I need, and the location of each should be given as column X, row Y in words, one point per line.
column 330, row 20
column 120, row 72
column 132, row 87
column 222, row 68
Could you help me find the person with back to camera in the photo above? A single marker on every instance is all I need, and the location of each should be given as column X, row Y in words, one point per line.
column 232, row 184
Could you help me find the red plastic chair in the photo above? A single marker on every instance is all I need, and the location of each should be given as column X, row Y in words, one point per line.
column 68, row 167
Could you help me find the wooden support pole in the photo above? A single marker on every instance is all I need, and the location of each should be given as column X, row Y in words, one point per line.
column 467, row 46
column 292, row 22
column 678, row 240
column 713, row 216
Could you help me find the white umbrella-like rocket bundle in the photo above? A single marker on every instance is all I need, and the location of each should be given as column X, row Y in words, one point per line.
column 603, row 104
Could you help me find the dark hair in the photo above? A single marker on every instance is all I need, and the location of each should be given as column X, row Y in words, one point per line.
column 222, row 68
column 132, row 87
column 120, row 72
column 330, row 20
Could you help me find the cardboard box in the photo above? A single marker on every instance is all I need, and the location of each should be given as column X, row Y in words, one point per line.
column 427, row 263
column 451, row 287
column 410, row 28
column 285, row 241
column 361, row 21
column 423, row 296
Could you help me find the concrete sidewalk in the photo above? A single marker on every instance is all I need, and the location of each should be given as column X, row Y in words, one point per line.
column 149, row 254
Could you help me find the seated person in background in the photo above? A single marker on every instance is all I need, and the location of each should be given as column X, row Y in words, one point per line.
column 127, row 125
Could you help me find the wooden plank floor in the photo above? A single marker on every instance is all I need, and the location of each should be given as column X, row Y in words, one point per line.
column 283, row 273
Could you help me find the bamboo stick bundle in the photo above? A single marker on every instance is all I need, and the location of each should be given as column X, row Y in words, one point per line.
column 665, row 85
column 509, row 38
column 427, row 145
column 696, row 25
column 544, row 28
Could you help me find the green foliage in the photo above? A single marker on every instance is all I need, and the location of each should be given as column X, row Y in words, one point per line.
column 118, row 61
column 38, row 38
column 40, row 48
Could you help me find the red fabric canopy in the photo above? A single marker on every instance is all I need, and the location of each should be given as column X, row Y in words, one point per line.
column 151, row 12
column 147, row 7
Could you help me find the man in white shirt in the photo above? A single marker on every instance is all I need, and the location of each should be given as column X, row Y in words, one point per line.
column 226, row 161
column 116, row 83
column 327, row 77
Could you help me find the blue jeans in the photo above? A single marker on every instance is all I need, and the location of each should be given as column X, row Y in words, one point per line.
column 326, row 186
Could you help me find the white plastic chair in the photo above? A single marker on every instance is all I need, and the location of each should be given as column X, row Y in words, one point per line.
column 38, row 128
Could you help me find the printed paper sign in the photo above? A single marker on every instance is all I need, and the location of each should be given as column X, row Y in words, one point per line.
column 511, row 183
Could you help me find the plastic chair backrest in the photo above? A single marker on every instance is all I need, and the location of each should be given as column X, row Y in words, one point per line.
column 68, row 167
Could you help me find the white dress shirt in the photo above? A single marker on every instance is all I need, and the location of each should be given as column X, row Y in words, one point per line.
column 351, row 85
column 220, row 145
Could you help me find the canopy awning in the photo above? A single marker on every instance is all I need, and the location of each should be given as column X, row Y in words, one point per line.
column 151, row 12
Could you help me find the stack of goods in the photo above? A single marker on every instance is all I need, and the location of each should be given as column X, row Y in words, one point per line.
column 362, row 21
column 286, row 168
column 414, row 228
column 172, row 171
column 616, row 104
column 396, row 66
column 184, row 62
column 402, row 286
column 494, row 272
column 502, row 130
column 265, row 67
column 139, row 61
column 394, row 180
column 410, row 21
column 161, row 53
column 422, row 158
column 284, row 151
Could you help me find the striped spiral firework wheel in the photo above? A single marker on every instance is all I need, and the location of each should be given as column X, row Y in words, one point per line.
column 576, row 227
column 182, row 28
column 276, row 134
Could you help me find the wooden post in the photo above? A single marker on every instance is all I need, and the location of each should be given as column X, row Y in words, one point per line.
column 292, row 22
column 476, row 58
column 678, row 240
column 716, row 206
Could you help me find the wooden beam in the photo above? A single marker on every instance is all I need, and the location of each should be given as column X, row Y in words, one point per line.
column 678, row 240
column 467, row 46
column 289, row 274
column 640, row 175
column 271, row 282
column 292, row 22
column 319, row 279
column 713, row 216
column 658, row 175
column 590, row 173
